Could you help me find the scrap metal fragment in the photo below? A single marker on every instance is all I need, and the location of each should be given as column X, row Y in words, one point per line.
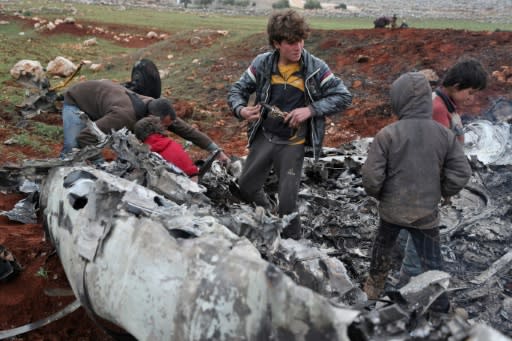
column 496, row 267
column 424, row 289
column 313, row 267
column 481, row 332
column 25, row 210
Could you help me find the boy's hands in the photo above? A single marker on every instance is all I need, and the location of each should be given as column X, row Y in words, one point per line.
column 251, row 113
column 295, row 117
column 223, row 158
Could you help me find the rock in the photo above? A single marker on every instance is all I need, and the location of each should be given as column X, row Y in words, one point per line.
column 152, row 35
column 61, row 66
column 30, row 68
column 194, row 41
column 90, row 42
column 96, row 67
column 357, row 84
column 363, row 59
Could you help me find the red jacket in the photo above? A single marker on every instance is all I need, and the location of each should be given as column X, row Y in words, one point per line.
column 172, row 152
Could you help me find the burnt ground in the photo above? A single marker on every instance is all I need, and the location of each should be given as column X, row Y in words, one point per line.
column 367, row 60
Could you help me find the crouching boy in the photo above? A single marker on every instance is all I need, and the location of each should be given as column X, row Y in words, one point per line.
column 411, row 164
column 150, row 131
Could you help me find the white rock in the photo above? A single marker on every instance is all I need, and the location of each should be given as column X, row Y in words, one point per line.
column 26, row 67
column 96, row 67
column 90, row 42
column 152, row 35
column 61, row 66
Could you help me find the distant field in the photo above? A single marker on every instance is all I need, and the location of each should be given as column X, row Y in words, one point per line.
column 179, row 22
column 177, row 19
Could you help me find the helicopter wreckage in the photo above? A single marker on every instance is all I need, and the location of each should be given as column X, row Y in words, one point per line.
column 163, row 257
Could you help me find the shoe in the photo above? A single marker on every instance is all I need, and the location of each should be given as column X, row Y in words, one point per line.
column 441, row 304
column 292, row 233
column 403, row 279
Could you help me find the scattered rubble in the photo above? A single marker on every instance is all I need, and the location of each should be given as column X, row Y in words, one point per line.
column 170, row 212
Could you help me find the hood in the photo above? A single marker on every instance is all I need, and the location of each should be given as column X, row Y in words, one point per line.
column 411, row 96
column 157, row 142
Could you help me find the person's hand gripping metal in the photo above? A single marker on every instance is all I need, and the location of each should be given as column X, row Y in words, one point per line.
column 251, row 113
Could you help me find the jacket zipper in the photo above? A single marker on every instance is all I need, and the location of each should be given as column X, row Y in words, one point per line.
column 313, row 133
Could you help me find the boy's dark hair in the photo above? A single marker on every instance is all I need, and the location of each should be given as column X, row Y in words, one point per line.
column 467, row 73
column 147, row 126
column 161, row 107
column 286, row 25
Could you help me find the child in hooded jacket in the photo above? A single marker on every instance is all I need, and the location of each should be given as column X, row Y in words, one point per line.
column 150, row 131
column 411, row 165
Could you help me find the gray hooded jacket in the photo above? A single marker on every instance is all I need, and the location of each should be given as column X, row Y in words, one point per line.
column 414, row 161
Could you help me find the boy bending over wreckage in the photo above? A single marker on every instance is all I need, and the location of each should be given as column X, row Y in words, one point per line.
column 411, row 164
column 112, row 107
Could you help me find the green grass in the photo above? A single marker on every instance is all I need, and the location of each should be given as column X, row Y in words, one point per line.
column 30, row 140
column 50, row 132
column 39, row 137
column 175, row 19
column 42, row 272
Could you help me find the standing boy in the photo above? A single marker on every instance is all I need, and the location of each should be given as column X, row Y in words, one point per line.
column 411, row 164
column 459, row 86
column 302, row 91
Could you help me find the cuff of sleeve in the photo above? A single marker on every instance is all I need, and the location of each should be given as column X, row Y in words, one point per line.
column 212, row 147
column 237, row 112
column 313, row 112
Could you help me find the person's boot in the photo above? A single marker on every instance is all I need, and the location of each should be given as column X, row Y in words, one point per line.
column 373, row 287
column 293, row 230
column 441, row 304
column 403, row 279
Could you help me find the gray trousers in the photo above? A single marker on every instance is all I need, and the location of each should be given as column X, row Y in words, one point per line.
column 287, row 162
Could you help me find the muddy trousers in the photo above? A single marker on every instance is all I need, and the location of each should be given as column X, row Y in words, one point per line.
column 427, row 246
column 286, row 161
column 411, row 264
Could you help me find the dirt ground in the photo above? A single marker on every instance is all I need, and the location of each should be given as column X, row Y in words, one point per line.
column 367, row 60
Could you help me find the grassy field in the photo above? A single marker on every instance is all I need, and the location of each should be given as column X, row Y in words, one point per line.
column 188, row 67
column 177, row 20
column 18, row 43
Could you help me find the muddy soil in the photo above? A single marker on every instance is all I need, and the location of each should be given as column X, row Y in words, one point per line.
column 367, row 60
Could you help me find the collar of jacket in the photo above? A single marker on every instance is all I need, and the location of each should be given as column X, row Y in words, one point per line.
column 306, row 64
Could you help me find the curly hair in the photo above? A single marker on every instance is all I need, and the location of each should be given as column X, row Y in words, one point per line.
column 147, row 126
column 287, row 25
